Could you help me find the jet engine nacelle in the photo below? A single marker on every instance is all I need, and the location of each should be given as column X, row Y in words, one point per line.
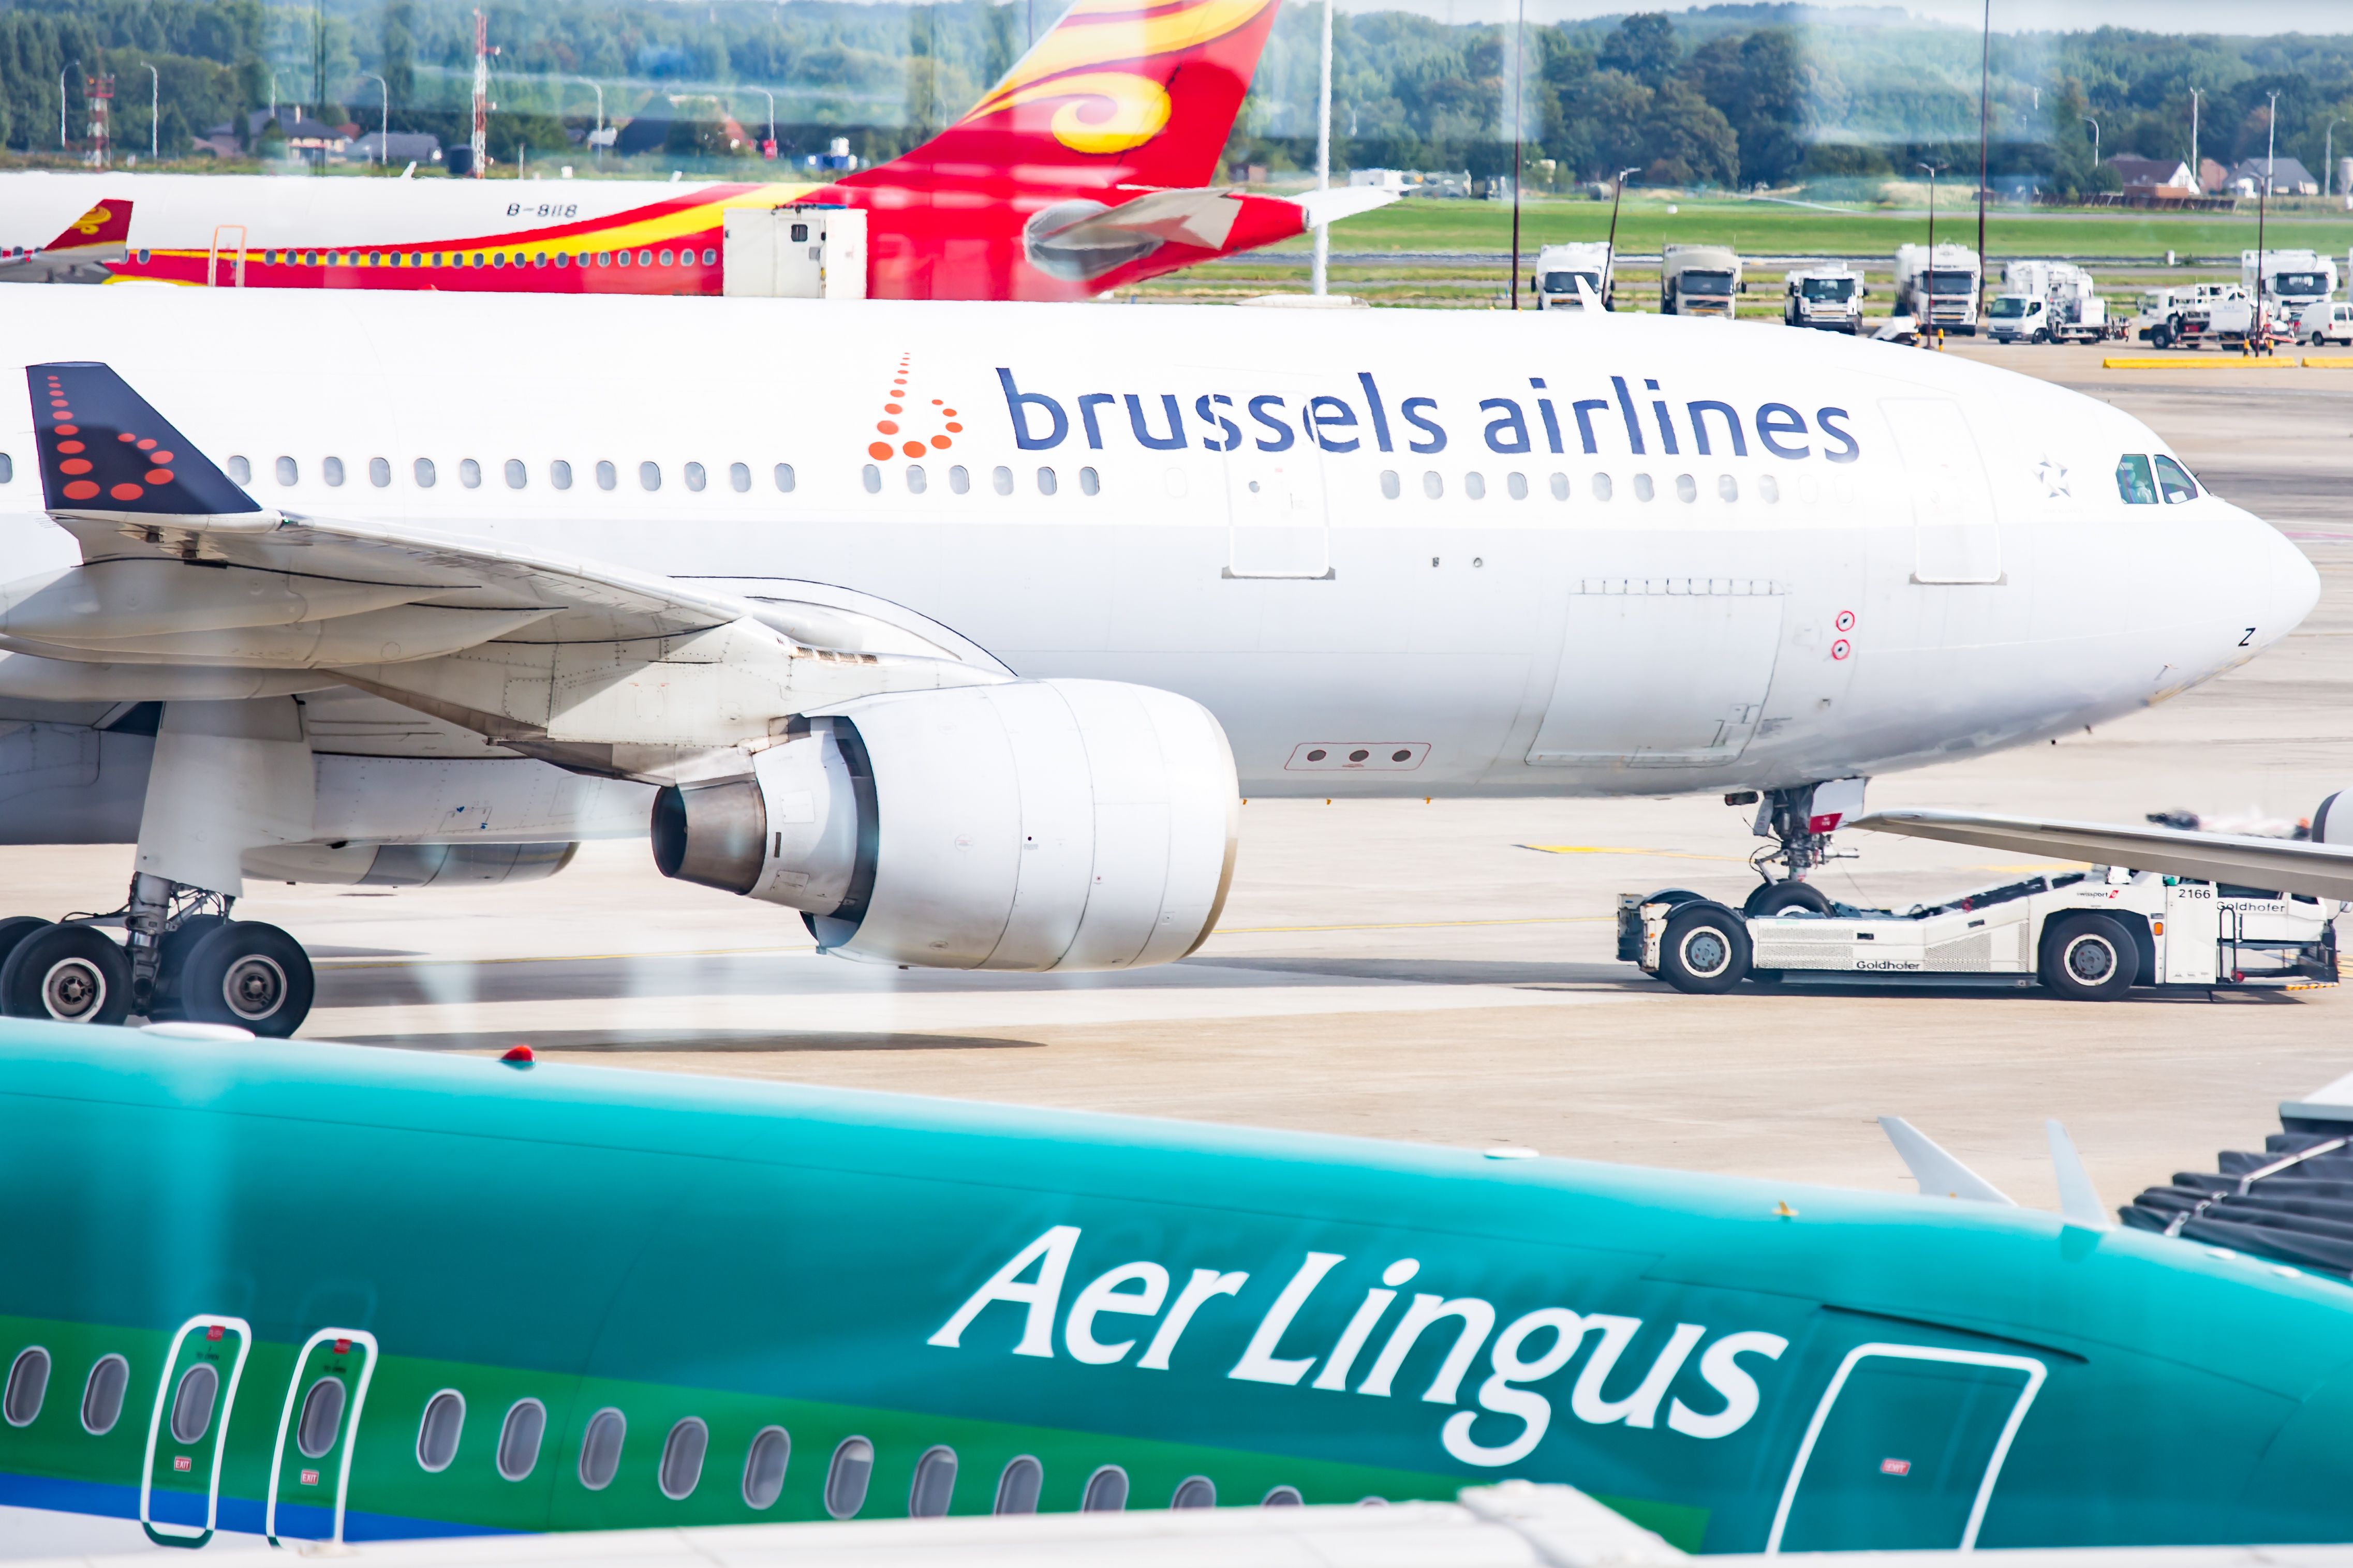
column 2332, row 820
column 1030, row 825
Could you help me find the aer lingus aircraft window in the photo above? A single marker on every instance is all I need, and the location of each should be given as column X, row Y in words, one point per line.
column 695, row 478
column 1389, row 486
column 437, row 1433
column 845, row 1477
column 784, row 478
column 649, row 475
column 1195, row 1492
column 1089, row 482
column 763, row 1467
column 1018, row 1487
column 288, row 473
column 1282, row 1496
column 470, row 473
column 1560, row 487
column 379, row 472
column 559, row 474
column 600, row 1448
column 332, row 471
column 2173, row 481
column 424, row 474
column 606, row 476
column 2133, row 481
column 1518, row 484
column 1475, row 485
column 1107, row 1492
column 517, row 475
column 101, row 1395
column 192, row 1402
column 28, row 1385
column 519, row 1436
column 322, row 1418
column 935, row 1484
column 681, row 1459
column 739, row 478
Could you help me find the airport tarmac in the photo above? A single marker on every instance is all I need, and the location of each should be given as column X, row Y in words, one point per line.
column 1443, row 972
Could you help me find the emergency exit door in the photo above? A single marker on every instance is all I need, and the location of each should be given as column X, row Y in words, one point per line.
column 1904, row 1449
column 1956, row 537
column 1275, row 506
column 310, row 1468
column 179, row 1486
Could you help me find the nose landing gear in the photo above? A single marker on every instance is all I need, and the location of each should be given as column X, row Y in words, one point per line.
column 183, row 957
column 1800, row 819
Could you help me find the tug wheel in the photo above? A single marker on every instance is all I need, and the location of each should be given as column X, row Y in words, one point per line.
column 2088, row 958
column 1704, row 950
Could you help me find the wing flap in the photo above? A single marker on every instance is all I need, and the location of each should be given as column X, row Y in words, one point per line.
column 2320, row 870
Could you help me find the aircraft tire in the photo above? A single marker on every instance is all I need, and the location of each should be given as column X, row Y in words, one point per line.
column 67, row 974
column 1779, row 898
column 2088, row 958
column 249, row 975
column 1704, row 950
column 16, row 929
column 172, row 960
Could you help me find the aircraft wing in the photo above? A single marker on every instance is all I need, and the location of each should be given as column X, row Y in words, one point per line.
column 2321, row 870
column 593, row 667
column 79, row 253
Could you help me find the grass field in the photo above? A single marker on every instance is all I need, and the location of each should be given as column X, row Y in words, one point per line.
column 1763, row 228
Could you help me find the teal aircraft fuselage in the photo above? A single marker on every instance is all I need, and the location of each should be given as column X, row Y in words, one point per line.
column 262, row 1284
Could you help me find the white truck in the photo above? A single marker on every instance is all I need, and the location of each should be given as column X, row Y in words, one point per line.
column 1698, row 280
column 1559, row 268
column 2088, row 936
column 1939, row 291
column 2046, row 303
column 2326, row 322
column 2290, row 280
column 2184, row 317
column 1826, row 296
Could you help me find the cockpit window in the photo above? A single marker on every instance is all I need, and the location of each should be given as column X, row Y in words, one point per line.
column 2173, row 481
column 2133, row 481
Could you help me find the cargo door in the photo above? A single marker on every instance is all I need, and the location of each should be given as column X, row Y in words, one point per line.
column 1279, row 525
column 310, row 1469
column 1955, row 534
column 1905, row 1450
column 1661, row 672
column 179, row 1489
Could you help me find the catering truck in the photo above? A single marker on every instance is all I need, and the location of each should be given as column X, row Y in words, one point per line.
column 2287, row 281
column 1559, row 269
column 1826, row 295
column 1698, row 280
column 1939, row 291
column 2046, row 303
column 2088, row 936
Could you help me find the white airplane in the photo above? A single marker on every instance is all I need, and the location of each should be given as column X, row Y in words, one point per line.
column 958, row 627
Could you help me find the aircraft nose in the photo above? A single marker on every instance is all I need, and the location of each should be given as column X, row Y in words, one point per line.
column 2283, row 585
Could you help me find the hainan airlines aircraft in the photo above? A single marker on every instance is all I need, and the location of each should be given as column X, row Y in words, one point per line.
column 594, row 1299
column 958, row 628
column 1089, row 167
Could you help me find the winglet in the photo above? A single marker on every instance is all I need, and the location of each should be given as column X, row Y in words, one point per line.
column 108, row 223
column 1587, row 300
column 107, row 455
column 2079, row 1203
column 1938, row 1174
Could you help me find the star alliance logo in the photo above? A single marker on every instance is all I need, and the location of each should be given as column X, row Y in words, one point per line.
column 2052, row 474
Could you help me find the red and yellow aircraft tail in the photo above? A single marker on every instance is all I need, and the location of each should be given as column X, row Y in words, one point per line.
column 80, row 253
column 1118, row 93
column 107, row 223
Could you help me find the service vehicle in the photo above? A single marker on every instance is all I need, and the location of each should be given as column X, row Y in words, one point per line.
column 2184, row 316
column 1828, row 297
column 1698, row 280
column 1559, row 268
column 2089, row 936
column 2290, row 278
column 1940, row 290
column 2326, row 322
column 2046, row 303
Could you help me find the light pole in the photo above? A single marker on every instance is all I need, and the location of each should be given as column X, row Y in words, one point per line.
column 1323, row 264
column 1519, row 130
column 384, row 136
column 2197, row 167
column 154, row 112
column 2263, row 198
column 61, row 106
column 1609, row 280
column 2328, row 158
column 2095, row 137
column 1985, row 86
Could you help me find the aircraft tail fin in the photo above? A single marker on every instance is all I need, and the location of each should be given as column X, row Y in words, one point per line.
column 107, row 223
column 106, row 453
column 1118, row 93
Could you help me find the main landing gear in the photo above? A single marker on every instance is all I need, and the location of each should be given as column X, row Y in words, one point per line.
column 182, row 957
column 1800, row 819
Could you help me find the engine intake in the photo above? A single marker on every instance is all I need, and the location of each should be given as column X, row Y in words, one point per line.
column 1036, row 824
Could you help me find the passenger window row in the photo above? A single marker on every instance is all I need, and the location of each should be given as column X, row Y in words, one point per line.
column 918, row 480
column 426, row 474
column 2141, row 480
column 847, row 1478
column 1727, row 487
column 102, row 1391
column 665, row 256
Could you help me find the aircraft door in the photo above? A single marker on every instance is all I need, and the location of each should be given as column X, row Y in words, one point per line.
column 1275, row 504
column 179, row 1486
column 1661, row 672
column 1904, row 1449
column 1956, row 537
column 310, row 1468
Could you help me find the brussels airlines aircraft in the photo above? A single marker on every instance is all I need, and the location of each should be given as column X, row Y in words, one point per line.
column 1088, row 167
column 957, row 629
column 596, row 1299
